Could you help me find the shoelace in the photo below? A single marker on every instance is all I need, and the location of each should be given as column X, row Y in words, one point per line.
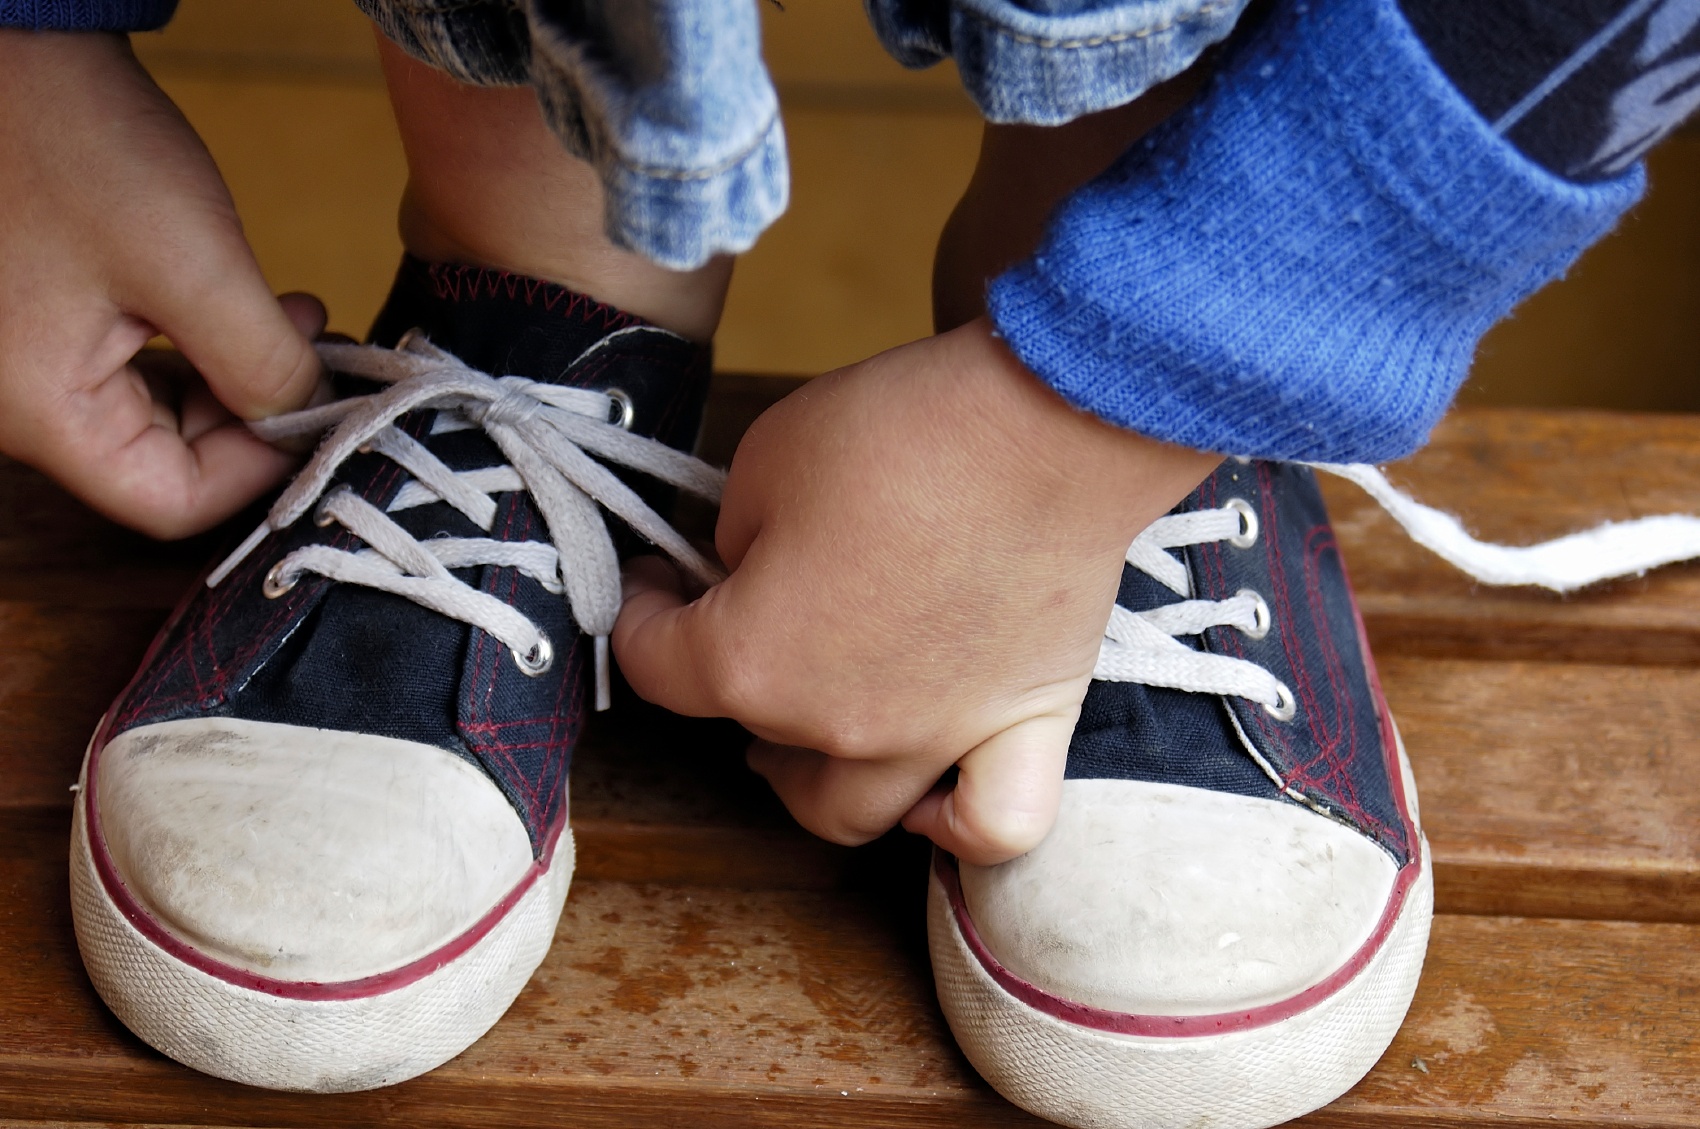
column 1144, row 646
column 547, row 434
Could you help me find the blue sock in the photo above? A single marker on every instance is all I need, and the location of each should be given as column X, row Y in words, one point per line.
column 1299, row 265
column 86, row 15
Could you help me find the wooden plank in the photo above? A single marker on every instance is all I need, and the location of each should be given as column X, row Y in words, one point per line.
column 713, row 1006
column 656, row 1005
column 1555, row 788
column 1522, row 1023
column 59, row 669
column 1514, row 476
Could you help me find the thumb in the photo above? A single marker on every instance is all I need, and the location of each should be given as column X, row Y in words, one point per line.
column 252, row 349
column 663, row 641
column 1006, row 793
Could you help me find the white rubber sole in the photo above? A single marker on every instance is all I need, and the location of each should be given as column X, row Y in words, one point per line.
column 235, row 1032
column 1243, row 1079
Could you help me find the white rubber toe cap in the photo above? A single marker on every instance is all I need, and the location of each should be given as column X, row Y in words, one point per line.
column 1156, row 899
column 304, row 854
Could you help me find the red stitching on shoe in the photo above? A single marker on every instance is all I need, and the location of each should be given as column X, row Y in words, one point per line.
column 1328, row 773
column 458, row 282
column 478, row 728
column 198, row 640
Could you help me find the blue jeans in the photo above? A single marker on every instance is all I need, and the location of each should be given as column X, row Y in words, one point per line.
column 670, row 101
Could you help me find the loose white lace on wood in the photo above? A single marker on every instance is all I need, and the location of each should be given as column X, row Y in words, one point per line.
column 1143, row 646
column 546, row 432
column 1616, row 548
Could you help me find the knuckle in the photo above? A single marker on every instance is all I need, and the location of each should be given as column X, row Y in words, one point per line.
column 852, row 827
column 998, row 834
column 735, row 674
column 272, row 378
column 846, row 736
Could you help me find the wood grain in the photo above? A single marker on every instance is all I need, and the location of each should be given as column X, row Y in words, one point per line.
column 1523, row 1022
column 660, row 1005
column 1556, row 789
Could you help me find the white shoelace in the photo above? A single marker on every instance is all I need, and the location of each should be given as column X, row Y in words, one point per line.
column 1144, row 646
column 547, row 433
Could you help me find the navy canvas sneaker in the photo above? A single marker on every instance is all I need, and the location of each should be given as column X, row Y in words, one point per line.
column 321, row 841
column 1227, row 924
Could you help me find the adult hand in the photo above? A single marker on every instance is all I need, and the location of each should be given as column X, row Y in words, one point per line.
column 115, row 226
column 924, row 550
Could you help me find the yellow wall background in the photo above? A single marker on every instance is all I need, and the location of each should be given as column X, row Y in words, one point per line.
column 288, row 97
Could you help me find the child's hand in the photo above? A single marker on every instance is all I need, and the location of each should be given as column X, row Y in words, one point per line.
column 115, row 225
column 924, row 549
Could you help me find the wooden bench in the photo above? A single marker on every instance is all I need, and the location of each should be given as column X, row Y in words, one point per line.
column 717, row 966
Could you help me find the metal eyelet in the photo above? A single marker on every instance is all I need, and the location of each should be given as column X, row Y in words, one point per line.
column 1247, row 536
column 1260, row 615
column 276, row 583
column 1285, row 706
column 322, row 516
column 537, row 660
column 627, row 410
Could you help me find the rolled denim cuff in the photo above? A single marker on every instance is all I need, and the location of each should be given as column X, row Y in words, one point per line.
column 86, row 15
column 1036, row 68
column 681, row 218
column 675, row 111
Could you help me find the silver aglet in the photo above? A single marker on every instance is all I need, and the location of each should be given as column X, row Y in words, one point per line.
column 249, row 544
column 604, row 688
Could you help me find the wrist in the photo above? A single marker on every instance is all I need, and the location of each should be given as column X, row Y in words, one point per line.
column 1111, row 482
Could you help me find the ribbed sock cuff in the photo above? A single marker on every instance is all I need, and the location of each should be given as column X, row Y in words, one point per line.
column 86, row 15
column 1299, row 265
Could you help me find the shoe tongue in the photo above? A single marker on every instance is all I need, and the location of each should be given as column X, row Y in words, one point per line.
column 496, row 321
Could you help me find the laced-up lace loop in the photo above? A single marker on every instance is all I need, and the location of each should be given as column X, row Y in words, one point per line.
column 547, row 434
column 1143, row 646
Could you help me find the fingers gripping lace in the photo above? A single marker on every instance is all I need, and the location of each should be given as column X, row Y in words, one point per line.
column 546, row 432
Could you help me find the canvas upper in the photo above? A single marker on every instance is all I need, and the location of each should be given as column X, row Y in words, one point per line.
column 1213, row 857
column 330, row 782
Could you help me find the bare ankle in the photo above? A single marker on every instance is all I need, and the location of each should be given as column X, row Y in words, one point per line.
column 1023, row 173
column 488, row 184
